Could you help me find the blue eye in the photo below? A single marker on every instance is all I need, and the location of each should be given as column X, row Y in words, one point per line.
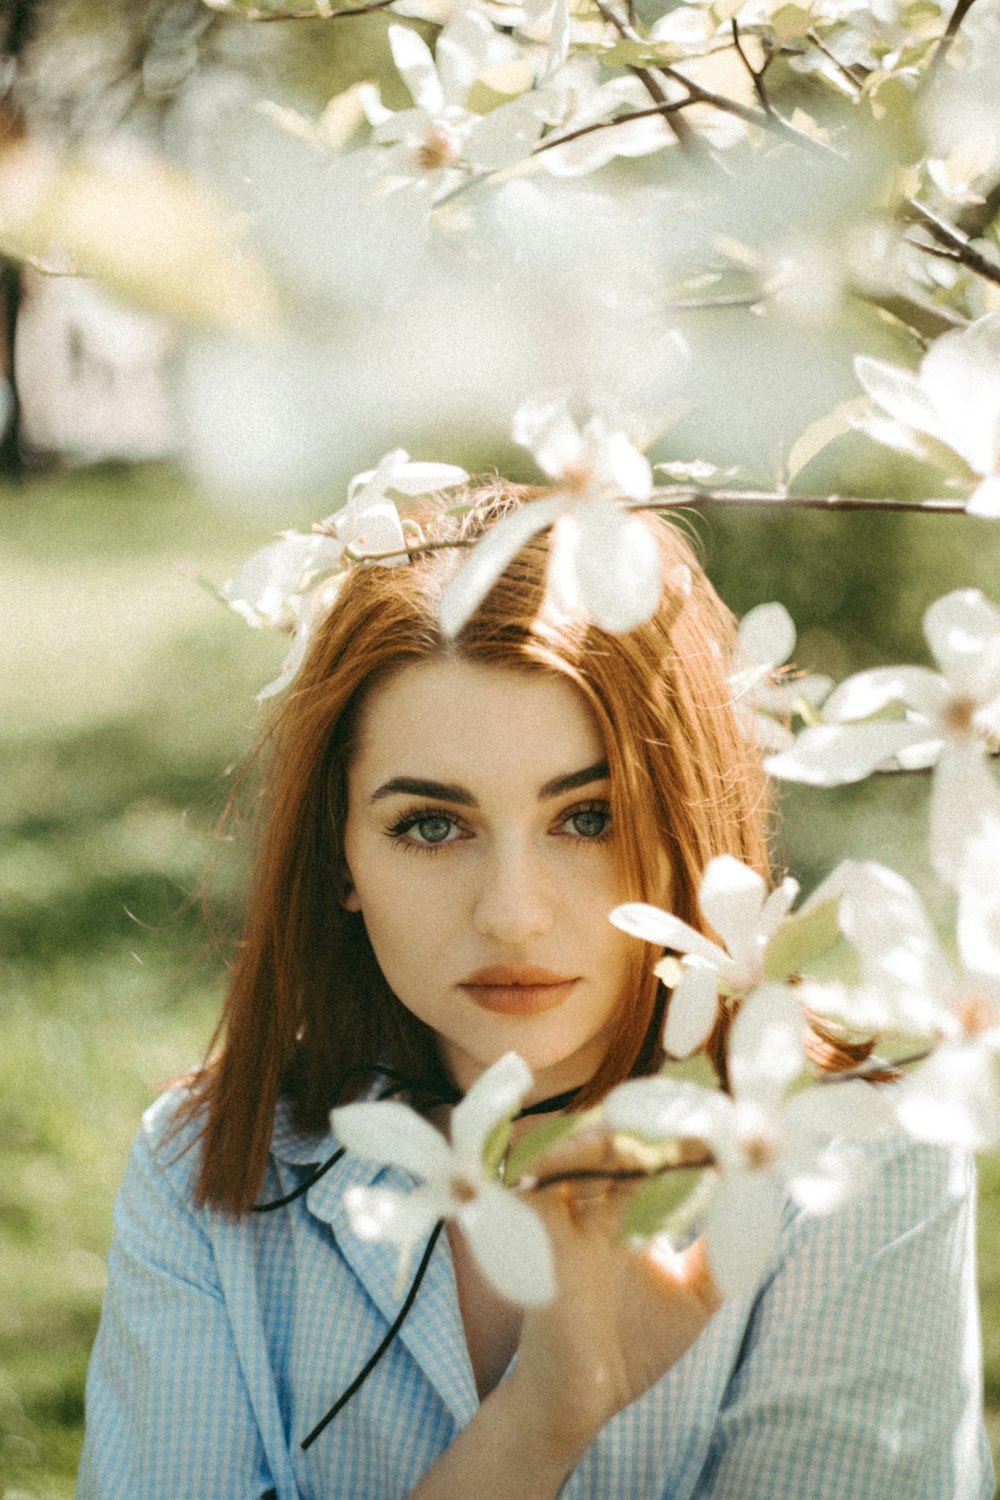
column 590, row 824
column 432, row 830
column 426, row 829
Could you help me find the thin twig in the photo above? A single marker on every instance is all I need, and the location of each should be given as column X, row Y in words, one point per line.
column 954, row 240
column 675, row 497
column 670, row 108
column 842, row 68
column 756, row 74
column 728, row 299
column 690, row 497
column 41, row 267
column 958, row 15
column 323, row 13
column 682, row 130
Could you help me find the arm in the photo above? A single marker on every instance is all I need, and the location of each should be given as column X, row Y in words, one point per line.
column 622, row 1317
column 168, row 1410
column 860, row 1375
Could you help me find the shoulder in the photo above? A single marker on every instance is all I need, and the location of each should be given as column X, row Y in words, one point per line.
column 166, row 1153
column 883, row 1192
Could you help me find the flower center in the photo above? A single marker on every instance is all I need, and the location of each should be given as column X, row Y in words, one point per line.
column 958, row 715
column 436, row 150
column 462, row 1190
column 759, row 1150
column 975, row 1015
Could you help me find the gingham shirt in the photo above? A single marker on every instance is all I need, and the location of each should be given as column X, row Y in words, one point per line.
column 854, row 1374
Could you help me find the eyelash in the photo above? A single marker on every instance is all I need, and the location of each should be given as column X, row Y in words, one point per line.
column 399, row 831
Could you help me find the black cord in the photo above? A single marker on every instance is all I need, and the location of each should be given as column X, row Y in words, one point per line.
column 363, row 1375
column 399, row 1084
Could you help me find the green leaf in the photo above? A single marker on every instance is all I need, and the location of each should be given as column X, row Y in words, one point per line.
column 801, row 938
column 822, row 432
column 791, row 21
column 696, row 1069
column 531, row 1148
column 495, row 1146
column 659, row 1203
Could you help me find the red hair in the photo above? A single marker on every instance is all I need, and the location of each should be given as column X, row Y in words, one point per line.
column 308, row 1007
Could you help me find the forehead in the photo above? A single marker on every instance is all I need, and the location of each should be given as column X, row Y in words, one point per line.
column 460, row 721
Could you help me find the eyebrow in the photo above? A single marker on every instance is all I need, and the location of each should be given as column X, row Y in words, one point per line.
column 419, row 786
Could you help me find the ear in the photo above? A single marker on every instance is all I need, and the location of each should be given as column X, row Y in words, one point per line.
column 348, row 898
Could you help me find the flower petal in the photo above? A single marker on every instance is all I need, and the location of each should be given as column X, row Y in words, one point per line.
column 618, row 575
column 963, row 631
column 260, row 589
column 867, row 693
column 666, row 931
column 902, row 395
column 426, row 478
column 961, row 376
column 965, row 805
column 691, row 1011
column 741, row 1231
column 776, row 909
column 658, row 1109
column 731, row 900
column 952, row 1099
column 985, row 500
column 766, row 636
column 543, row 424
column 884, row 918
column 495, row 1095
column 837, row 754
column 488, row 560
column 413, row 58
column 510, row 1245
column 767, row 1042
column 504, row 137
column 852, row 1110
column 392, row 1134
column 402, row 1219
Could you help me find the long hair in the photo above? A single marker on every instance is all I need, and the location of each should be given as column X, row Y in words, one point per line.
column 308, row 1012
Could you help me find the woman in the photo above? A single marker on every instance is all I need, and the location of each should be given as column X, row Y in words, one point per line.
column 446, row 826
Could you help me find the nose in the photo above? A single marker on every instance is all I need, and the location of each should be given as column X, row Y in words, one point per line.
column 513, row 901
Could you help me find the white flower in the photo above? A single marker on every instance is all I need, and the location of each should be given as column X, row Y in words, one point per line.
column 588, row 103
column 434, row 144
column 293, row 582
column 954, row 400
column 264, row 590
column 765, row 1146
column 604, row 562
column 910, row 985
column 369, row 522
column 734, row 901
column 505, row 1235
column 764, row 706
column 951, row 718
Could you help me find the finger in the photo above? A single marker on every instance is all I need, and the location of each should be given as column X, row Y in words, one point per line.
column 687, row 1269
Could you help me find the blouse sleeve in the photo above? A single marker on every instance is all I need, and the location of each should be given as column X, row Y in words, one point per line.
column 860, row 1372
column 169, row 1416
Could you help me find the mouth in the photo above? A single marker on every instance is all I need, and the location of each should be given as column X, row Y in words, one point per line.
column 517, row 989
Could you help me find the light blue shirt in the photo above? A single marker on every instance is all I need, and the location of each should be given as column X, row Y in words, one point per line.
column 854, row 1374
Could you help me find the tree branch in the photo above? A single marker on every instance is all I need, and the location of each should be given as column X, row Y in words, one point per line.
column 756, row 74
column 953, row 240
column 958, row 15
column 319, row 13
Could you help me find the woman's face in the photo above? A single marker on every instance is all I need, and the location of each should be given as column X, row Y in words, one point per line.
column 479, row 851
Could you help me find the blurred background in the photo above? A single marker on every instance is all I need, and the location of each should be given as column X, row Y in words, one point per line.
column 128, row 691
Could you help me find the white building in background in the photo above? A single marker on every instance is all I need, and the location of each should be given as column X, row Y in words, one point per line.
column 90, row 374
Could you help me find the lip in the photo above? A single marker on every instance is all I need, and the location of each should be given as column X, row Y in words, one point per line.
column 517, row 989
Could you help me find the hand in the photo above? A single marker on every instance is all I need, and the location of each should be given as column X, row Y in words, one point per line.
column 623, row 1315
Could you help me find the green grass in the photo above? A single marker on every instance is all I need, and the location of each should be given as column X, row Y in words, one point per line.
column 129, row 695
